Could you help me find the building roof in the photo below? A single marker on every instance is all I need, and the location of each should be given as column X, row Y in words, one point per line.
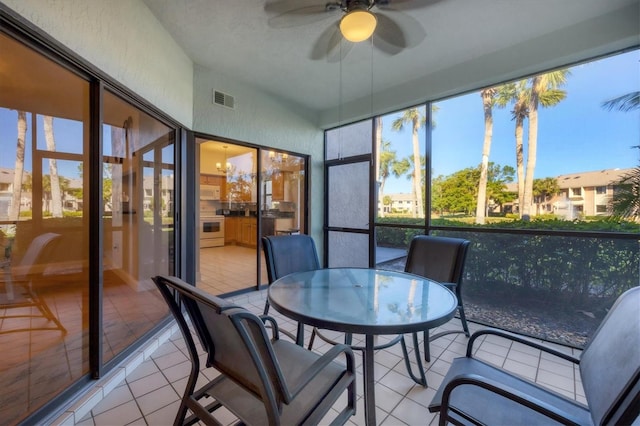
column 6, row 175
column 591, row 179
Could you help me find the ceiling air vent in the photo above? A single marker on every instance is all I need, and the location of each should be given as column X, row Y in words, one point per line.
column 223, row 99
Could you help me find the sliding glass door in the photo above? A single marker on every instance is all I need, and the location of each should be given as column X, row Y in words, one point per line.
column 75, row 297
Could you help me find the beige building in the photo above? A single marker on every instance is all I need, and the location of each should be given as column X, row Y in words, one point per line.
column 400, row 203
column 581, row 194
column 586, row 194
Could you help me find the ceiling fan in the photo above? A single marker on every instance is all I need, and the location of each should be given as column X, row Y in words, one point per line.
column 392, row 29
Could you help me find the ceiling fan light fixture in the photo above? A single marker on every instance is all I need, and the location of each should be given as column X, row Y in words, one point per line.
column 358, row 25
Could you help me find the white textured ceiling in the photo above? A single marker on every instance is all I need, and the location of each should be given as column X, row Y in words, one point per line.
column 234, row 37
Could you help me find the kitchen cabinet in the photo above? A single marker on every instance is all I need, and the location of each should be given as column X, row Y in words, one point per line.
column 249, row 231
column 277, row 186
column 215, row 180
column 231, row 230
column 240, row 230
column 207, row 179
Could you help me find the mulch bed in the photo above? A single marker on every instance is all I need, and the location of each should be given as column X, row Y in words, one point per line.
column 543, row 319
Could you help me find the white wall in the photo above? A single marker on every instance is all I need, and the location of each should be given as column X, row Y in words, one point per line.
column 260, row 119
column 123, row 39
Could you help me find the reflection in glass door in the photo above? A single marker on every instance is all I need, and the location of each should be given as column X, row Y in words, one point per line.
column 227, row 234
column 282, row 195
column 43, row 230
column 138, row 177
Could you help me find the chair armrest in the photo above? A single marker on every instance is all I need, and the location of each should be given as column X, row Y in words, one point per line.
column 319, row 365
column 519, row 339
column 274, row 325
column 276, row 330
column 504, row 391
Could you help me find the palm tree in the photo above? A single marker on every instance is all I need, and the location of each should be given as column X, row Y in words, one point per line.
column 56, row 195
column 417, row 120
column 488, row 96
column 545, row 92
column 626, row 199
column 47, row 191
column 518, row 94
column 384, row 159
column 543, row 189
column 624, row 103
column 16, row 197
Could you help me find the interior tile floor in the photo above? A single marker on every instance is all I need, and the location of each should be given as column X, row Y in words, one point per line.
column 150, row 393
column 230, row 268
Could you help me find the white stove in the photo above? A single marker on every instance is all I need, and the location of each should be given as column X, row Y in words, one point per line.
column 211, row 230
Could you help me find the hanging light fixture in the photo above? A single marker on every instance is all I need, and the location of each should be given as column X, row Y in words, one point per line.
column 227, row 165
column 358, row 25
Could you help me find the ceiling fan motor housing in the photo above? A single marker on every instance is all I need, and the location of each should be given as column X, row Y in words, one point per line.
column 351, row 5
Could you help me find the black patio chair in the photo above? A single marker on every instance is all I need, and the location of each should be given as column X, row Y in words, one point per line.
column 474, row 392
column 440, row 259
column 262, row 381
column 285, row 254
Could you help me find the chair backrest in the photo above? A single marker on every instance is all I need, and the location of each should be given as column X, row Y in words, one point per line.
column 236, row 340
column 437, row 258
column 610, row 364
column 286, row 254
column 32, row 262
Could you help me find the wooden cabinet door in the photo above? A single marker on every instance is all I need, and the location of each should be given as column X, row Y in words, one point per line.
column 230, row 230
column 248, row 231
column 277, row 187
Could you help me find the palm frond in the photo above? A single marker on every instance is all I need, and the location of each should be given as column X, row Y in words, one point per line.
column 624, row 103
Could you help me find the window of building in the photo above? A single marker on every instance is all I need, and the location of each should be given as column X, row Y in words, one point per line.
column 600, row 190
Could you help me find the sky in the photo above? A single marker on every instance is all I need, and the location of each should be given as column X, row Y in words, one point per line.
column 577, row 135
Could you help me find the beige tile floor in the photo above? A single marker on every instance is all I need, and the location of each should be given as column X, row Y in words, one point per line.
column 229, row 268
column 150, row 393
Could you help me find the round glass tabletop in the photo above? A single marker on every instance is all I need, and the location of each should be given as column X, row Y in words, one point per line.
column 366, row 301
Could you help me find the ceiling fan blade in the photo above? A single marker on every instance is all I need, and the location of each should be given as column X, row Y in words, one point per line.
column 389, row 31
column 278, row 7
column 328, row 45
column 292, row 13
column 339, row 50
column 399, row 29
column 386, row 47
column 404, row 4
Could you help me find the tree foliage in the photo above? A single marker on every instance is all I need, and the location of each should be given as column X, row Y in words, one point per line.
column 626, row 197
column 457, row 193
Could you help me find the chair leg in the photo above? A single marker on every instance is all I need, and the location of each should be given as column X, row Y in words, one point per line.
column 463, row 320
column 427, row 352
column 348, row 339
column 266, row 307
column 422, row 380
column 312, row 338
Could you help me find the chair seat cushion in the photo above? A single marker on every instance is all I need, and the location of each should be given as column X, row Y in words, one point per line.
column 294, row 361
column 492, row 409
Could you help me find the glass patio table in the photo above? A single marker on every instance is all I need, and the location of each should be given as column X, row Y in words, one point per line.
column 363, row 301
